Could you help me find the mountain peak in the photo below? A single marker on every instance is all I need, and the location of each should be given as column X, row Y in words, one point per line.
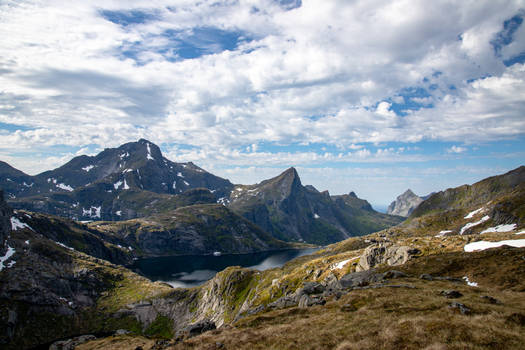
column 409, row 192
column 404, row 204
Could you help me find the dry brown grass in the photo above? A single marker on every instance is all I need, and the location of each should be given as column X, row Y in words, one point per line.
column 386, row 318
column 123, row 342
column 400, row 318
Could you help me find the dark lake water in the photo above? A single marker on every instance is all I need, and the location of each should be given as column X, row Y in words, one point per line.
column 194, row 270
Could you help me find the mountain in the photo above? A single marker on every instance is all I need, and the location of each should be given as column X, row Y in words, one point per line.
column 121, row 183
column 383, row 290
column 404, row 204
column 290, row 211
column 195, row 229
column 136, row 181
column 50, row 290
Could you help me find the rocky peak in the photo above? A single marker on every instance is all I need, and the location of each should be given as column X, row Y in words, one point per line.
column 404, row 204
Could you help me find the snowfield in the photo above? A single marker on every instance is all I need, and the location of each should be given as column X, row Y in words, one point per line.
column 482, row 245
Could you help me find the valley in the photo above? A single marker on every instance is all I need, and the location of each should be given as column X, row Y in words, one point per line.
column 370, row 268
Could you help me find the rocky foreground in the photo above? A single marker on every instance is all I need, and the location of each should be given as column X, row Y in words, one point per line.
column 449, row 277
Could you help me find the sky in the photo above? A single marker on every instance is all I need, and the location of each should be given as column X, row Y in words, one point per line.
column 369, row 96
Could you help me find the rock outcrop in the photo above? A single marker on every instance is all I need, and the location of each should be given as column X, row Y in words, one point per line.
column 5, row 224
column 384, row 253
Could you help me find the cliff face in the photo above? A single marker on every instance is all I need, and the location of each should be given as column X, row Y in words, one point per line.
column 290, row 211
column 5, row 224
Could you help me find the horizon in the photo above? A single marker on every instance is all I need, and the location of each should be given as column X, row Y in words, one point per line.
column 374, row 98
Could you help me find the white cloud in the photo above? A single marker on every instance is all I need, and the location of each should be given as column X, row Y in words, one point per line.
column 456, row 149
column 325, row 72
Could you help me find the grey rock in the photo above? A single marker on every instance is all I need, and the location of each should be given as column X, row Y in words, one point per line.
column 451, row 294
column 199, row 328
column 284, row 302
column 71, row 344
column 491, row 300
column 5, row 224
column 394, row 274
column 312, row 288
column 464, row 310
column 122, row 332
column 385, row 253
column 307, row 301
column 426, row 276
column 360, row 279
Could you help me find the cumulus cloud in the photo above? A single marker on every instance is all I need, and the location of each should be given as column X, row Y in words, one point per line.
column 225, row 79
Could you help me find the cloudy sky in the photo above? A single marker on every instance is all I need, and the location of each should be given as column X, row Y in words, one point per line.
column 368, row 95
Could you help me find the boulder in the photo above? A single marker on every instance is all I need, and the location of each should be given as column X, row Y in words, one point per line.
column 451, row 294
column 283, row 302
column 307, row 301
column 311, row 288
column 199, row 328
column 385, row 253
column 71, row 344
column 455, row 306
column 360, row 279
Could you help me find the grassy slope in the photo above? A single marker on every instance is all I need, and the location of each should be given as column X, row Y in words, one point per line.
column 389, row 318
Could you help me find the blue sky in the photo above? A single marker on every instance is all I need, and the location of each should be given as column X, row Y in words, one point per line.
column 367, row 96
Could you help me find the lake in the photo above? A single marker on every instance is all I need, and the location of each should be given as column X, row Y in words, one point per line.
column 193, row 270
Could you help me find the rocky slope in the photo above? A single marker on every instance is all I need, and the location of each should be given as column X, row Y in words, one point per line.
column 195, row 229
column 290, row 211
column 50, row 291
column 108, row 186
column 404, row 204
column 416, row 285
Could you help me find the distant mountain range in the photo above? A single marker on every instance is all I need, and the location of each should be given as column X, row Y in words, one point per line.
column 60, row 278
column 136, row 181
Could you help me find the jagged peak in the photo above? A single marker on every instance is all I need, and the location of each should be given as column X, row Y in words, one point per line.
column 352, row 194
column 409, row 192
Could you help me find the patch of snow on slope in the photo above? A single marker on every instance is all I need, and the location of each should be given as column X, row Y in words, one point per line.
column 65, row 246
column 17, row 224
column 316, row 216
column 340, row 264
column 186, row 183
column 8, row 254
column 174, row 185
column 482, row 245
column 179, row 174
column 500, row 228
column 126, row 187
column 520, row 233
column 65, row 187
column 118, row 212
column 149, row 153
column 223, row 200
column 472, row 213
column 472, row 224
column 472, row 284
column 442, row 233
column 117, row 184
column 88, row 168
